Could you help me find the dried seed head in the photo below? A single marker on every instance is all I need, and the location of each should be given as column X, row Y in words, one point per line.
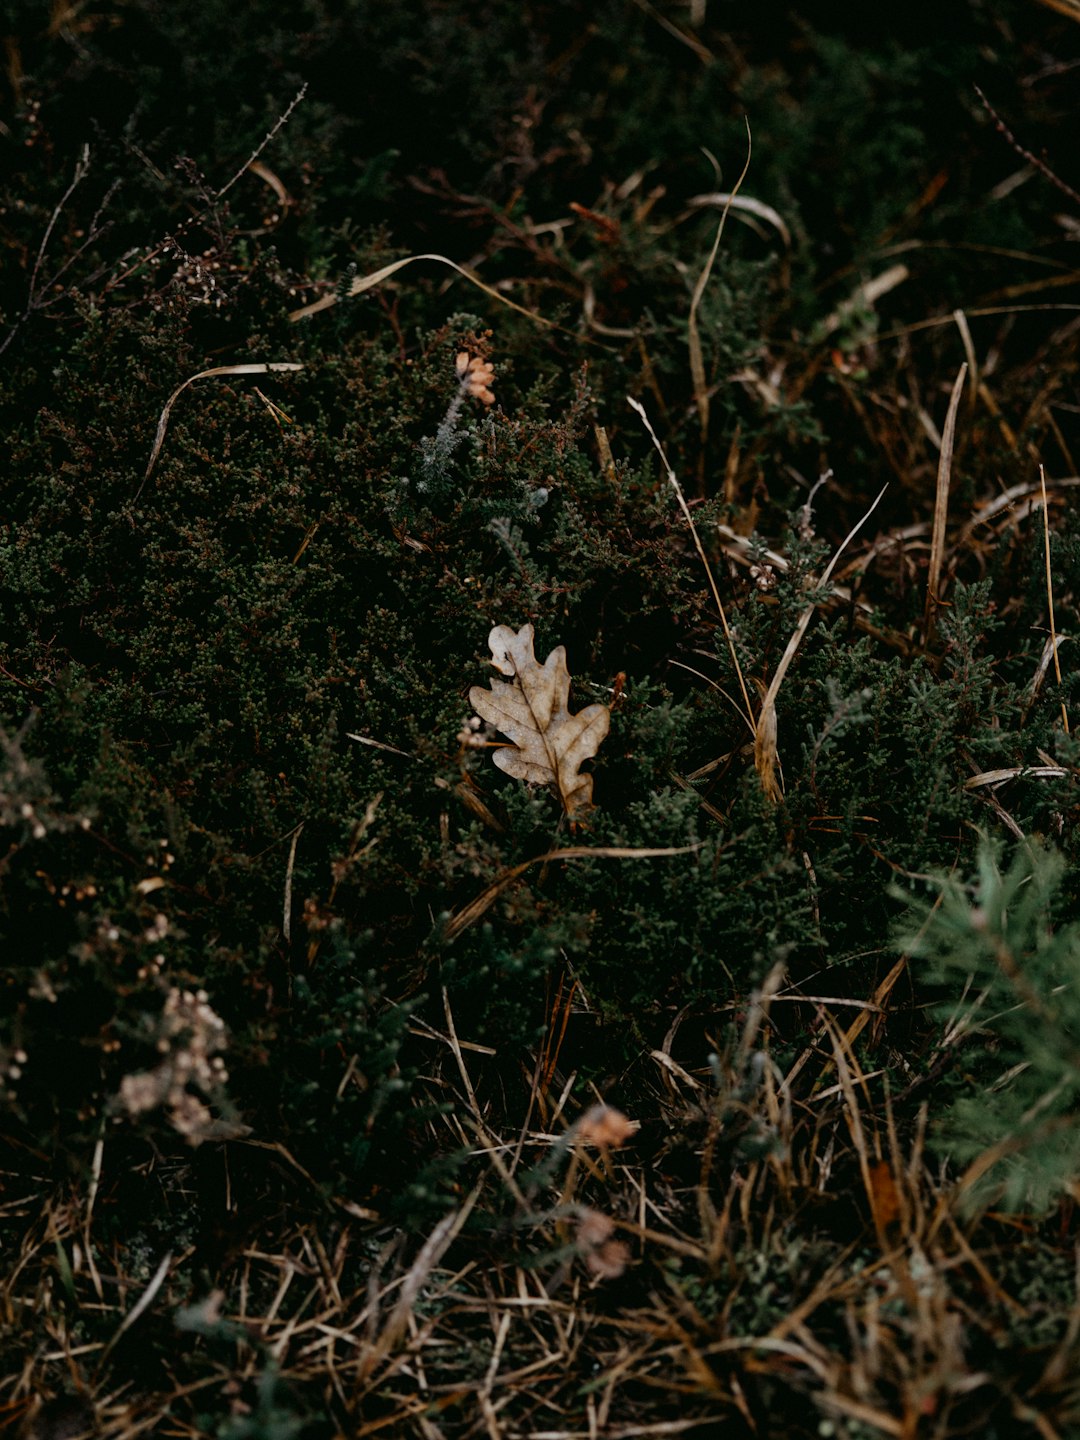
column 593, row 1229
column 476, row 375
column 604, row 1257
column 469, row 736
column 609, row 1260
column 606, row 1126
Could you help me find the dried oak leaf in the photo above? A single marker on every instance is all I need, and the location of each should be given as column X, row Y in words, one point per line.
column 549, row 744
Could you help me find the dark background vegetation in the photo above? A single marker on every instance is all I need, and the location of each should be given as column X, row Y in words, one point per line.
column 849, row 1205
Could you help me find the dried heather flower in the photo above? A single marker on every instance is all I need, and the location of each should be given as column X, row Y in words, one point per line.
column 476, row 375
column 593, row 1229
column 604, row 1257
column 609, row 1260
column 190, row 1035
column 469, row 736
column 142, row 1092
column 604, row 1125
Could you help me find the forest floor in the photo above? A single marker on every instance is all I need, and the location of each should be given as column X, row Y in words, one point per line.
column 539, row 577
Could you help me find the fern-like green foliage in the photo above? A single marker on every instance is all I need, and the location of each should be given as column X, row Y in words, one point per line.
column 1012, row 1018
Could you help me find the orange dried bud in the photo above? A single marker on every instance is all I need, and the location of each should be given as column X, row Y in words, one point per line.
column 593, row 1228
column 604, row 1257
column 606, row 1126
column 610, row 1260
column 476, row 375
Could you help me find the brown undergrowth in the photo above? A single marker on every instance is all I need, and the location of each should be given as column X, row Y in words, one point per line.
column 770, row 1253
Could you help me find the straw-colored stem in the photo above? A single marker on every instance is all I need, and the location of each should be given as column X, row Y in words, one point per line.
column 1050, row 594
column 748, row 714
column 697, row 359
column 765, row 736
column 941, row 505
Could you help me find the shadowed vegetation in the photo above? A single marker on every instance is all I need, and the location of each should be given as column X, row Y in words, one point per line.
column 349, row 1083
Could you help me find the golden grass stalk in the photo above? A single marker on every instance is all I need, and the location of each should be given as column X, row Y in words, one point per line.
column 941, row 504
column 697, row 361
column 286, row 919
column 747, row 713
column 163, row 423
column 765, row 733
column 470, row 913
column 367, row 282
column 1050, row 593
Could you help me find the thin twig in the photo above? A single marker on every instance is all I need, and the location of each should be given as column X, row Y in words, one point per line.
column 1040, row 165
column 82, row 169
column 173, row 236
column 282, row 119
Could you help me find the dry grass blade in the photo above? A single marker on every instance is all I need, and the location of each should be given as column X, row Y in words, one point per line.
column 747, row 713
column 286, row 918
column 748, row 206
column 740, row 549
column 163, row 423
column 697, row 361
column 367, row 282
column 145, row 1300
column 431, row 1252
column 470, row 913
column 270, row 178
column 865, row 296
column 850, row 1075
column 703, row 53
column 969, row 350
column 378, row 745
column 1013, row 772
column 1016, row 503
column 1050, row 650
column 941, row 504
column 1050, row 593
column 765, row 734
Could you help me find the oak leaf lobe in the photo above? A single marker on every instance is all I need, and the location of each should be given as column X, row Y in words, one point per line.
column 548, row 744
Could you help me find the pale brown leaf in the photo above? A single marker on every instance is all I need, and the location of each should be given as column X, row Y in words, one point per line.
column 549, row 745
